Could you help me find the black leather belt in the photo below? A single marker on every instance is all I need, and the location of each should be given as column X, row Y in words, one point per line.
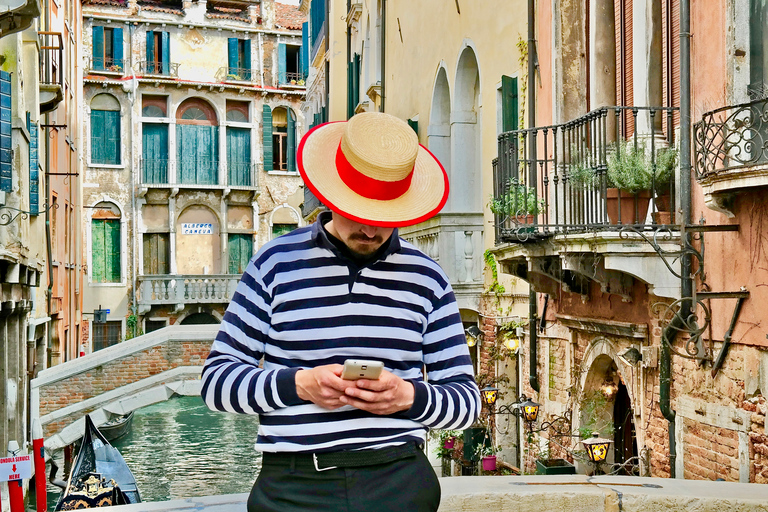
column 342, row 459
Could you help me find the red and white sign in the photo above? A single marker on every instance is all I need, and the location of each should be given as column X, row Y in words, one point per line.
column 16, row 468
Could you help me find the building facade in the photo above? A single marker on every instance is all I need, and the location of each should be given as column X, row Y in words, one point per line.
column 191, row 121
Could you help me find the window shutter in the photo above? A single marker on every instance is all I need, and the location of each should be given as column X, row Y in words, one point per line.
column 154, row 141
column 247, row 59
column 266, row 119
column 112, row 134
column 305, row 49
column 163, row 251
column 239, row 156
column 34, row 176
column 232, row 56
column 624, row 73
column 414, row 126
column 356, row 82
column 240, row 252
column 509, row 106
column 98, row 137
column 166, row 48
column 186, row 151
column 149, row 255
column 282, row 76
column 117, row 48
column 98, row 47
column 112, row 249
column 291, row 141
column 151, row 60
column 350, row 107
column 6, row 169
column 97, row 251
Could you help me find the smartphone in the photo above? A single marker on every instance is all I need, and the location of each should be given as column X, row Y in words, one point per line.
column 361, row 369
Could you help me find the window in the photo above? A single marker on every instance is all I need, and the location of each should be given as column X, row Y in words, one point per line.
column 157, row 253
column 240, row 252
column 281, row 229
column 758, row 49
column 107, row 49
column 34, row 172
column 238, row 145
column 6, row 169
column 280, row 140
column 509, row 105
column 239, row 59
column 289, row 63
column 197, row 143
column 107, row 334
column 105, row 244
column 154, row 141
column 105, row 130
column 353, row 85
column 153, row 325
column 158, row 53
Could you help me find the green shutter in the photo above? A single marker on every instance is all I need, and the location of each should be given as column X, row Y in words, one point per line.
column 266, row 121
column 304, row 50
column 156, row 253
column 98, row 137
column 246, row 64
column 117, row 48
column 98, row 47
column 240, row 252
column 151, row 59
column 509, row 107
column 238, row 156
column 414, row 125
column 112, row 137
column 232, row 60
column 112, row 250
column 97, row 251
column 6, row 168
column 34, row 176
column 282, row 75
column 291, row 141
column 166, row 53
column 196, row 155
column 154, row 162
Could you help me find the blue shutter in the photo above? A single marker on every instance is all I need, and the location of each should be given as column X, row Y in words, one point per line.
column 117, row 48
column 305, row 50
column 208, row 150
column 98, row 47
column 232, row 60
column 282, row 76
column 197, row 151
column 34, row 173
column 6, row 170
column 151, row 52
column 154, row 141
column 266, row 119
column 291, row 141
column 98, row 137
column 247, row 59
column 112, row 137
column 238, row 156
column 166, row 53
column 185, row 145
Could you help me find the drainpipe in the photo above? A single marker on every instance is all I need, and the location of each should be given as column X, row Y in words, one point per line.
column 533, row 376
column 383, row 49
column 349, row 63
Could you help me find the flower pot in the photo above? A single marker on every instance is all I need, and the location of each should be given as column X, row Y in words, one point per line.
column 663, row 201
column 663, row 218
column 555, row 467
column 629, row 214
column 489, row 463
column 449, row 443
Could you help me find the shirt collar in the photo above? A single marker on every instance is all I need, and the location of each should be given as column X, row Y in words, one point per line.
column 321, row 238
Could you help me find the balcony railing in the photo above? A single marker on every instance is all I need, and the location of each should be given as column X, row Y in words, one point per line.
column 555, row 179
column 157, row 68
column 186, row 289
column 731, row 138
column 158, row 171
column 228, row 74
column 292, row 78
column 51, row 71
column 105, row 64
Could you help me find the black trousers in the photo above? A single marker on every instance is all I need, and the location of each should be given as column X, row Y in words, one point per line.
column 405, row 485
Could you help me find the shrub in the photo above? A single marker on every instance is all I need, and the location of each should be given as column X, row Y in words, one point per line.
column 519, row 200
column 630, row 167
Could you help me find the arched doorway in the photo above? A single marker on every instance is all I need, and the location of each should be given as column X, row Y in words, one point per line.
column 198, row 242
column 200, row 319
column 624, row 438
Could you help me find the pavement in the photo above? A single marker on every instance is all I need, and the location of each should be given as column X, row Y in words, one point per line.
column 538, row 493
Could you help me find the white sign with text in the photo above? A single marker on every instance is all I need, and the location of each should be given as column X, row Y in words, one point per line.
column 196, row 228
column 16, row 468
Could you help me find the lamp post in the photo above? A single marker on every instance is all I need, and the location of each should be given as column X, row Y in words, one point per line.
column 597, row 449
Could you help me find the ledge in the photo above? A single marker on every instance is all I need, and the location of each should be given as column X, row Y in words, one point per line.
column 599, row 325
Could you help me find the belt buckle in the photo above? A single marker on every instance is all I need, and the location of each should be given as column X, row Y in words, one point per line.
column 317, row 468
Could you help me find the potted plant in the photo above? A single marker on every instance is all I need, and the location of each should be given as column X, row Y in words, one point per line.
column 666, row 162
column 486, row 452
column 520, row 203
column 629, row 183
column 445, row 442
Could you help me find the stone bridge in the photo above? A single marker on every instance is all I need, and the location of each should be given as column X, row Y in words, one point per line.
column 119, row 379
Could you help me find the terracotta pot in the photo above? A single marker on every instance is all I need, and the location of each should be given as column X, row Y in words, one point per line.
column 662, row 217
column 663, row 202
column 449, row 443
column 489, row 463
column 628, row 211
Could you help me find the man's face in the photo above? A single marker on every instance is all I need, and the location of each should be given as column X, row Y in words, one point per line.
column 361, row 239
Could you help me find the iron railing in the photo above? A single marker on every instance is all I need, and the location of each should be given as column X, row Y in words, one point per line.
column 552, row 180
column 51, row 58
column 731, row 138
column 297, row 78
column 158, row 68
column 228, row 74
column 159, row 171
column 101, row 64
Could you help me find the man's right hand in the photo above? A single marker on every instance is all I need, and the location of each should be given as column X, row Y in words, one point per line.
column 322, row 385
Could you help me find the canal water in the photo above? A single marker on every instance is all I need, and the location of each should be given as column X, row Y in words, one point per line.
column 181, row 449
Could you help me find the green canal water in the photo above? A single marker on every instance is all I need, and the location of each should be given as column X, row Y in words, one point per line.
column 181, row 449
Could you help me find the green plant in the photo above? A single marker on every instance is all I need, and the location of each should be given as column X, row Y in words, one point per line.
column 132, row 328
column 592, row 404
column 630, row 167
column 579, row 171
column 486, row 449
column 519, row 200
column 440, row 437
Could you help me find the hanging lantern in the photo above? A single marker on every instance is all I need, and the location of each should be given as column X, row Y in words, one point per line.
column 473, row 334
column 511, row 341
column 597, row 447
column 490, row 394
column 530, row 410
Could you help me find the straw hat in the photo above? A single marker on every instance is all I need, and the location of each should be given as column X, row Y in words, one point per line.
column 372, row 169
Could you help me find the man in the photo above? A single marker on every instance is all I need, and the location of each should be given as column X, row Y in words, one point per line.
column 347, row 287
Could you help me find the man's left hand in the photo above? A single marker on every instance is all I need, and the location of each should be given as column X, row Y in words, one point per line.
column 386, row 395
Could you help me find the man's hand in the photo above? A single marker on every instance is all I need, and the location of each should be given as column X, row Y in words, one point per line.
column 322, row 385
column 386, row 395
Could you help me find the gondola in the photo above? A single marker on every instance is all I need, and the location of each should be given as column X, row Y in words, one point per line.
column 117, row 427
column 100, row 477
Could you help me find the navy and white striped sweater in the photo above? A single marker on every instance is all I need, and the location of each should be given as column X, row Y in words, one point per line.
column 301, row 304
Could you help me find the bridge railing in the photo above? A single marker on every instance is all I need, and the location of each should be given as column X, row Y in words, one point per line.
column 186, row 289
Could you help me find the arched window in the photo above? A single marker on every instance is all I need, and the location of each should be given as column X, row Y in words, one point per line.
column 105, row 130
column 154, row 139
column 239, row 168
column 197, row 147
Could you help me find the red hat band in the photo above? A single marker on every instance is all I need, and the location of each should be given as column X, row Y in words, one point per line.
column 366, row 186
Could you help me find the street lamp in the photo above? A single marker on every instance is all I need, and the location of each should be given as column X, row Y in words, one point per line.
column 597, row 449
column 489, row 394
column 474, row 334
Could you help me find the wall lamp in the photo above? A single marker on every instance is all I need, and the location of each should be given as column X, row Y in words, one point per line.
column 474, row 335
column 631, row 357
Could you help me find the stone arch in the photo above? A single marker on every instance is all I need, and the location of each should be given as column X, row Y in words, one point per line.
column 439, row 131
column 465, row 135
column 107, row 210
column 284, row 214
column 199, row 316
column 197, row 111
column 198, row 241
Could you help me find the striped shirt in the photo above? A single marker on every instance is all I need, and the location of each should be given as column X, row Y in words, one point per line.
column 300, row 304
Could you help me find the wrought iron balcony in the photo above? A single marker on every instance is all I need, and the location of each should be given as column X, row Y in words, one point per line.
column 228, row 74
column 51, row 71
column 568, row 178
column 105, row 65
column 157, row 68
column 197, row 172
column 297, row 79
column 186, row 289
